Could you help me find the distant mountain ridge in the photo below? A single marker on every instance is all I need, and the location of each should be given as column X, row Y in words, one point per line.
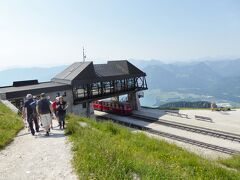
column 220, row 79
column 203, row 76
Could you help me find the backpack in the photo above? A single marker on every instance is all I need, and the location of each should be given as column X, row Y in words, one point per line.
column 33, row 106
column 43, row 106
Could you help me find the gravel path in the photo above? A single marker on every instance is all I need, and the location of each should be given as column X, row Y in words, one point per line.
column 37, row 157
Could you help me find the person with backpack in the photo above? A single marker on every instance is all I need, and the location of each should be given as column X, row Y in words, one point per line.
column 44, row 109
column 30, row 113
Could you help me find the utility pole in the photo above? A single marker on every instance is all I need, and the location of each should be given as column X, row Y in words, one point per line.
column 84, row 56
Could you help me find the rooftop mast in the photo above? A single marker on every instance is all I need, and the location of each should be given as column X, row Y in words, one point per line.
column 84, row 55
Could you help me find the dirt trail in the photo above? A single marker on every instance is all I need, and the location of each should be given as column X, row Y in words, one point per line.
column 37, row 157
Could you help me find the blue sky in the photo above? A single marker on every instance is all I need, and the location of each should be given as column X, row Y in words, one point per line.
column 43, row 32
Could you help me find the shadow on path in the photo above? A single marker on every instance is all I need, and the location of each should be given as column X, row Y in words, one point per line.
column 24, row 134
column 51, row 135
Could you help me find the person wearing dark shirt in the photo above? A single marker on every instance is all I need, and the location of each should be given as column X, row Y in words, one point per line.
column 44, row 109
column 29, row 111
column 62, row 108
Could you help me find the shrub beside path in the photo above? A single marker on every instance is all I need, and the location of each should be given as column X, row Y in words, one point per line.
column 37, row 157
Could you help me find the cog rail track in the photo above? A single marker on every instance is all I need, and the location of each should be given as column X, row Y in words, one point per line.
column 191, row 128
column 174, row 137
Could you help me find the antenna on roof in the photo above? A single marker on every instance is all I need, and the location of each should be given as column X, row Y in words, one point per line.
column 84, row 55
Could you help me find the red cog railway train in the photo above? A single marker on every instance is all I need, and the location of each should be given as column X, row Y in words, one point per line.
column 115, row 107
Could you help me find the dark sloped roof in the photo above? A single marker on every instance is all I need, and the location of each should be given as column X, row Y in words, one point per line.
column 86, row 72
column 73, row 71
column 21, row 91
column 117, row 68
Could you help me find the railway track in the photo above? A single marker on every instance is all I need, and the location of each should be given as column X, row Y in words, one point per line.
column 191, row 128
column 174, row 137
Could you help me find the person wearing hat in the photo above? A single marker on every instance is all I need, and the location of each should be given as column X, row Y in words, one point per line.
column 30, row 113
column 44, row 109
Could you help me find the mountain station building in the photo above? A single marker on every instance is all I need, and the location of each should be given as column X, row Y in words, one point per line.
column 82, row 83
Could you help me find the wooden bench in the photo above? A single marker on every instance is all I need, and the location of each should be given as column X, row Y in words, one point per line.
column 203, row 118
column 177, row 114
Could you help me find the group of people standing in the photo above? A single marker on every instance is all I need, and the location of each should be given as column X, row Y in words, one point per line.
column 43, row 111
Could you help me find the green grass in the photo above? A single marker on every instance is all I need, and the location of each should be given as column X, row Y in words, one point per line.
column 104, row 150
column 233, row 162
column 10, row 124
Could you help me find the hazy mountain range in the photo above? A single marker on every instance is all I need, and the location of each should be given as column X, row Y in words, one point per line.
column 210, row 80
column 201, row 80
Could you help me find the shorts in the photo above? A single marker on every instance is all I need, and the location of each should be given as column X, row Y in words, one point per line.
column 46, row 120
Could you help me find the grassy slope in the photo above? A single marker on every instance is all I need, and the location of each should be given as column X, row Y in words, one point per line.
column 233, row 162
column 109, row 151
column 10, row 124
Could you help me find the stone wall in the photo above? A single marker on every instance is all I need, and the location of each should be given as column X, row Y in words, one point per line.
column 10, row 106
column 133, row 99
